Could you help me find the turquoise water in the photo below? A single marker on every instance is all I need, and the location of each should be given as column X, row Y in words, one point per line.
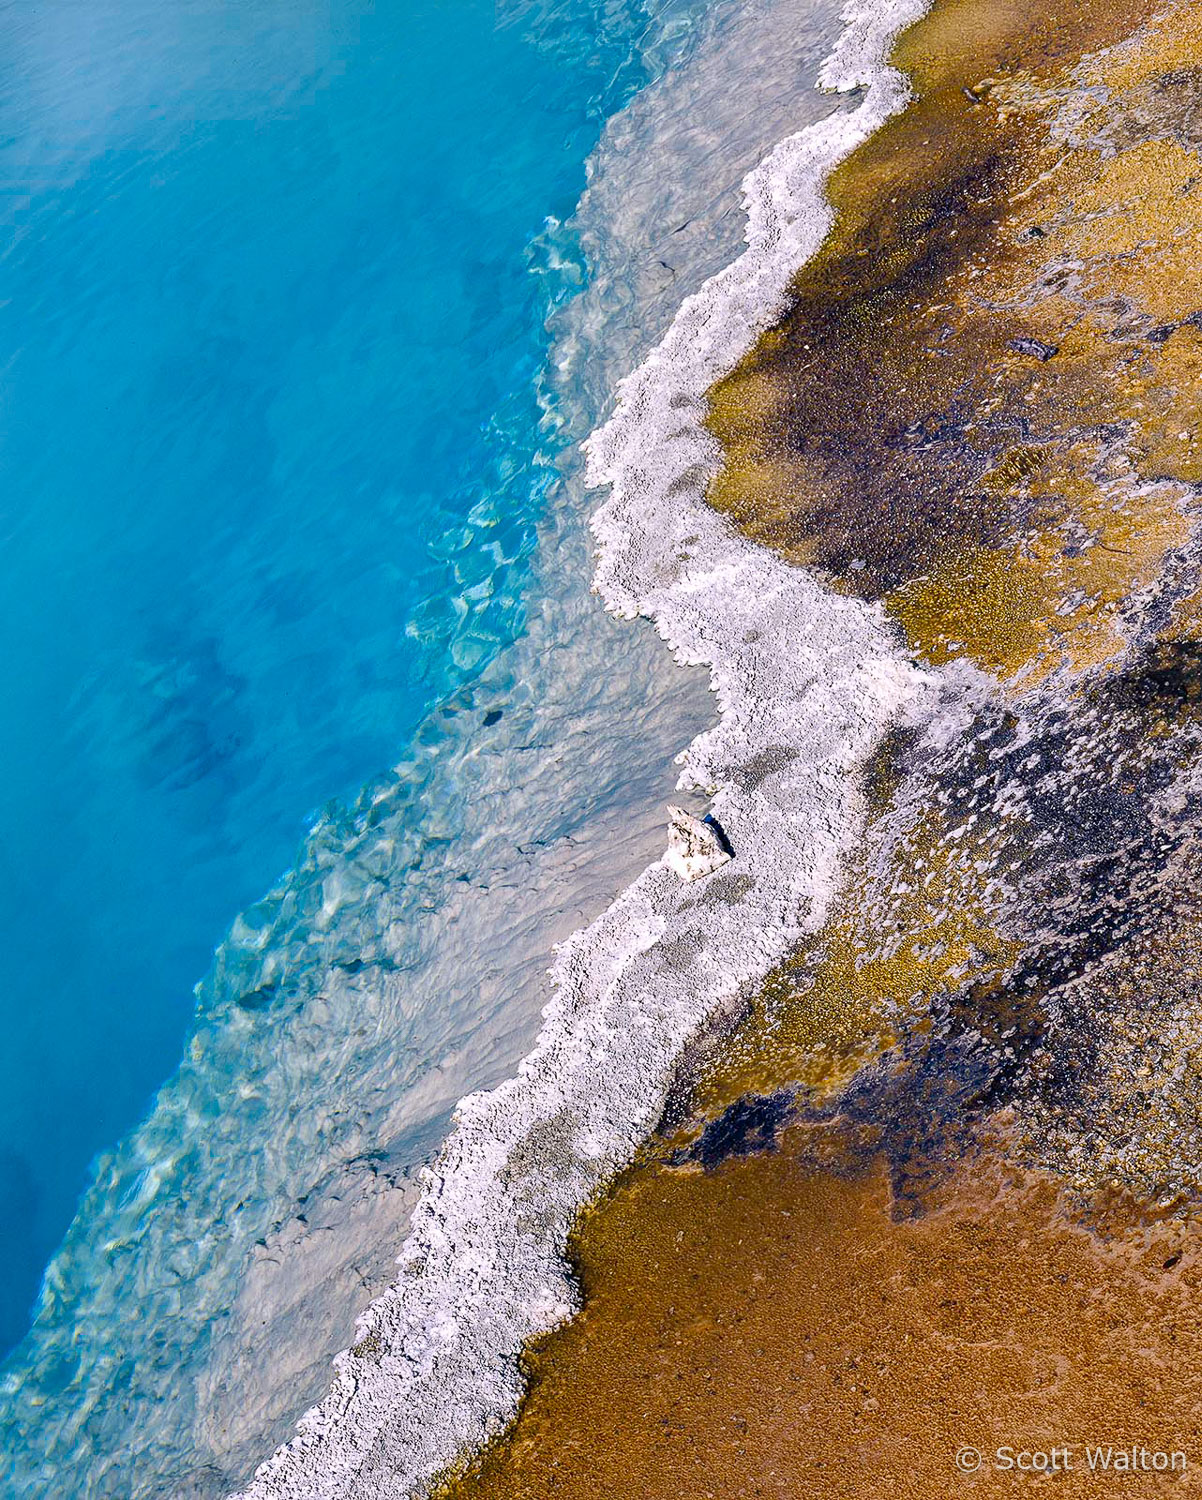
column 268, row 339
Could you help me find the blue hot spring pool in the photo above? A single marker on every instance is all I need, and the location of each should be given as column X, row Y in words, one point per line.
column 271, row 308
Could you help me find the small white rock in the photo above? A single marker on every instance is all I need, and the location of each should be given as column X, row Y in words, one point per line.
column 694, row 848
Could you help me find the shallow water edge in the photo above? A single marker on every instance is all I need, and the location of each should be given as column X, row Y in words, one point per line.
column 807, row 684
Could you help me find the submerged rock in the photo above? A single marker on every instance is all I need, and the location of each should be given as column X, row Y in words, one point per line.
column 695, row 845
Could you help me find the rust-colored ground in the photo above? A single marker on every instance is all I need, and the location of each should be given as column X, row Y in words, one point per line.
column 769, row 1330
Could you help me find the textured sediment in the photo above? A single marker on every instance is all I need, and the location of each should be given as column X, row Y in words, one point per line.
column 1016, row 480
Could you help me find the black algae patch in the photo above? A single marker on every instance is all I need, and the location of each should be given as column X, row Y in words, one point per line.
column 748, row 1125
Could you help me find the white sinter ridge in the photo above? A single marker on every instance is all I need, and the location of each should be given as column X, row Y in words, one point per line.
column 807, row 682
